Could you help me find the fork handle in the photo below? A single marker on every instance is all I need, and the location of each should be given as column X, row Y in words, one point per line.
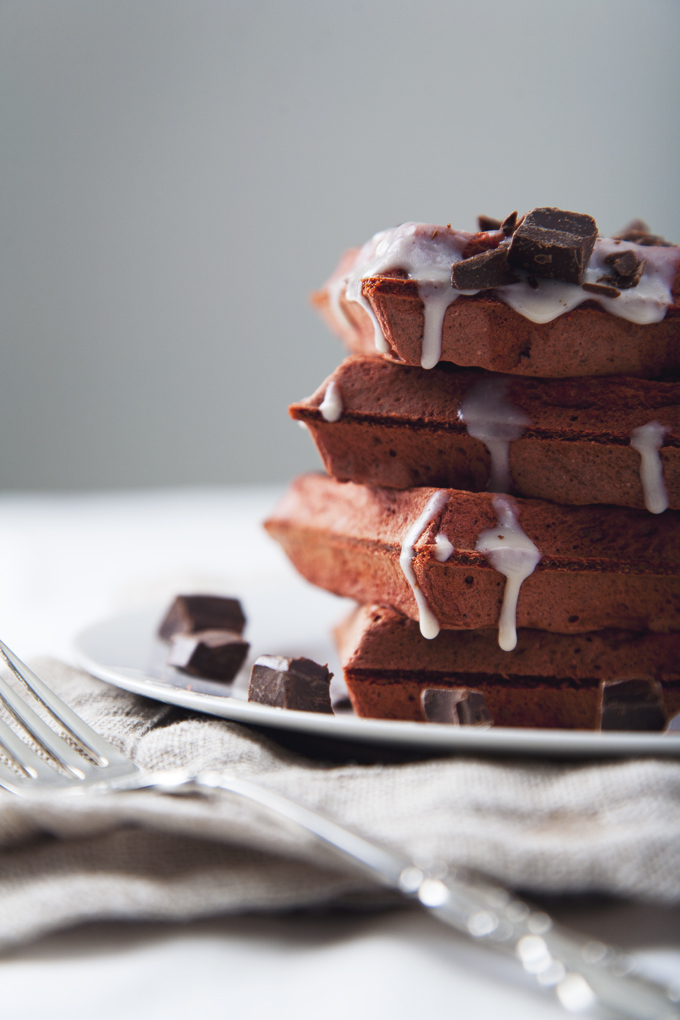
column 581, row 970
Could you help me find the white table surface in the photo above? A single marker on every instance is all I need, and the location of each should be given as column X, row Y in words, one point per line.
column 68, row 560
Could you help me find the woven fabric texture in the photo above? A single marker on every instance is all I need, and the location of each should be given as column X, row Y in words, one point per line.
column 546, row 827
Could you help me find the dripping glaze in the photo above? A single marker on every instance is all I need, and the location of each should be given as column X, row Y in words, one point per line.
column 429, row 624
column 648, row 440
column 512, row 553
column 490, row 417
column 331, row 406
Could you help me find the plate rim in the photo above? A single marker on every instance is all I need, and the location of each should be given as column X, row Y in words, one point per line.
column 435, row 737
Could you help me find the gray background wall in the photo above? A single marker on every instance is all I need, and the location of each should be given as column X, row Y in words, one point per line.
column 177, row 176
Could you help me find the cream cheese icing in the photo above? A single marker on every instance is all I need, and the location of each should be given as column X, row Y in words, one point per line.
column 648, row 440
column 443, row 548
column 429, row 624
column 645, row 303
column 491, row 417
column 331, row 406
column 424, row 251
column 512, row 553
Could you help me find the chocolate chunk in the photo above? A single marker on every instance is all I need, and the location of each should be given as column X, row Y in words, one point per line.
column 479, row 243
column 554, row 244
column 638, row 232
column 490, row 269
column 509, row 224
column 603, row 289
column 625, row 263
column 342, row 705
column 627, row 267
column 216, row 654
column 455, row 706
column 298, row 684
column 488, row 223
column 191, row 613
column 633, row 705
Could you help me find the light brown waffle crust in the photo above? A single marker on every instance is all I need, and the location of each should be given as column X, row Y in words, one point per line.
column 484, row 332
column 549, row 680
column 400, row 428
column 601, row 567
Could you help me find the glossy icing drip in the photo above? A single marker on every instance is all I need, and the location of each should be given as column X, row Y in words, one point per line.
column 427, row 252
column 331, row 406
column 490, row 417
column 424, row 251
column 429, row 624
column 443, row 548
column 512, row 553
column 648, row 440
column 336, row 289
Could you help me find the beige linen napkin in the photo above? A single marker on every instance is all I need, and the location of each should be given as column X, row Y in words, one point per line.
column 546, row 827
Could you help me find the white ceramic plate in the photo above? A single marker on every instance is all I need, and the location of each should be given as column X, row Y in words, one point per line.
column 123, row 651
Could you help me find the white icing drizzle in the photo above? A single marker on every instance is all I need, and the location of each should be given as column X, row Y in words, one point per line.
column 443, row 548
column 642, row 304
column 426, row 253
column 429, row 624
column 489, row 416
column 331, row 406
column 513, row 554
column 648, row 440
column 336, row 289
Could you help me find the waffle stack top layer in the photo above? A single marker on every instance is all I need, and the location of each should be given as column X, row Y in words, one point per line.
column 396, row 296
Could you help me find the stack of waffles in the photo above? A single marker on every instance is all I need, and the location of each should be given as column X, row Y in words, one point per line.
column 502, row 493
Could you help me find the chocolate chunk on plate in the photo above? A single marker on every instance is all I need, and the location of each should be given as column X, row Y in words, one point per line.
column 455, row 706
column 554, row 244
column 299, row 684
column 633, row 705
column 214, row 654
column 190, row 614
column 489, row 269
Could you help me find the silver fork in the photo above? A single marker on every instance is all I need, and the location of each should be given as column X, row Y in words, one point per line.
column 581, row 970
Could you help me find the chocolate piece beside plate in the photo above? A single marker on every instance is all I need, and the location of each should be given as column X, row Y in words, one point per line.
column 554, row 244
column 190, row 614
column 298, row 684
column 633, row 705
column 455, row 707
column 215, row 654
